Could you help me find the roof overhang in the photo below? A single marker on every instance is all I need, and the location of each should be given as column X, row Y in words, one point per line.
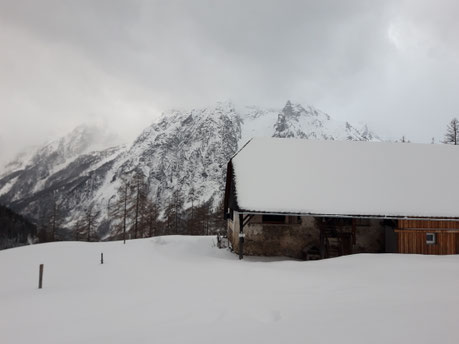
column 381, row 217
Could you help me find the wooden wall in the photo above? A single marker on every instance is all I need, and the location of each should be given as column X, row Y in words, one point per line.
column 412, row 236
column 418, row 224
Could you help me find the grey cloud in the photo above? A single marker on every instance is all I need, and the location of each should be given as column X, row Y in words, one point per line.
column 392, row 64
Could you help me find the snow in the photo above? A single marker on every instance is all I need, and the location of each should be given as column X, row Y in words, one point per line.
column 257, row 122
column 20, row 161
column 184, row 290
column 347, row 178
column 5, row 188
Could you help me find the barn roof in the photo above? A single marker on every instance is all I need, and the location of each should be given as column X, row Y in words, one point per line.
column 347, row 178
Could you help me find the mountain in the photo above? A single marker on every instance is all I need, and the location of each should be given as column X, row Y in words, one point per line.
column 62, row 171
column 183, row 152
column 294, row 120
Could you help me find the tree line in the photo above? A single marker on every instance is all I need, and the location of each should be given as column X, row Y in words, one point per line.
column 133, row 213
column 15, row 230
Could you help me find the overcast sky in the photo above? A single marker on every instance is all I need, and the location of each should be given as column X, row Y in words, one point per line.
column 391, row 64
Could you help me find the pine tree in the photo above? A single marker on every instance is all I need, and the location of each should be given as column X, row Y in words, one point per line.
column 452, row 132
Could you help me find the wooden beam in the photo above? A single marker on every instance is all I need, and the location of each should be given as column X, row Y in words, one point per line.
column 247, row 219
column 241, row 236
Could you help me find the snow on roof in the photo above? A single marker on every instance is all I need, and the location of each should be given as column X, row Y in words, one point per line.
column 347, row 178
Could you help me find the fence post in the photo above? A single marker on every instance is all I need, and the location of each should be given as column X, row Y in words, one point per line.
column 241, row 236
column 101, row 258
column 40, row 277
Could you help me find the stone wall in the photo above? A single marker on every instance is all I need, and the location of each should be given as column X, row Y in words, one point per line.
column 293, row 238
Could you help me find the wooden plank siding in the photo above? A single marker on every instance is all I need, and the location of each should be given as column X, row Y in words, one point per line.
column 418, row 224
column 411, row 236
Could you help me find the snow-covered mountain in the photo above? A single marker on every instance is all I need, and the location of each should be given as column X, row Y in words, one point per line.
column 183, row 151
column 294, row 120
column 54, row 155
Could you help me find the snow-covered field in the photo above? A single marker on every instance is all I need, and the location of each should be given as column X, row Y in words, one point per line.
column 184, row 290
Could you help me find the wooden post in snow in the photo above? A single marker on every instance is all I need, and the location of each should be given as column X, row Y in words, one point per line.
column 40, row 277
column 101, row 258
column 354, row 238
column 241, row 236
column 322, row 243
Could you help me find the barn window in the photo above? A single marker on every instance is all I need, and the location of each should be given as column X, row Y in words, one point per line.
column 273, row 219
column 430, row 238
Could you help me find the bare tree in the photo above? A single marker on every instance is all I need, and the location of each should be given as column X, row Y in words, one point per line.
column 42, row 226
column 90, row 220
column 78, row 229
column 151, row 217
column 121, row 207
column 173, row 213
column 139, row 191
column 168, row 216
column 192, row 226
column 218, row 220
column 54, row 218
column 178, row 209
column 404, row 140
column 49, row 220
column 452, row 132
column 203, row 217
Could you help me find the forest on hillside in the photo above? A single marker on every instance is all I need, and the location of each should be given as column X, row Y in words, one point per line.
column 134, row 214
column 15, row 230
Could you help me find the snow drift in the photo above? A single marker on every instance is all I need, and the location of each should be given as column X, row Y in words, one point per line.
column 184, row 290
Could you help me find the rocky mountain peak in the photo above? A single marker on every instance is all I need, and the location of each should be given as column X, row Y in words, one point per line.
column 291, row 111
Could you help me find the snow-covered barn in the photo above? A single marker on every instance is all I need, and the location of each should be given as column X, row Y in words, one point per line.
column 315, row 199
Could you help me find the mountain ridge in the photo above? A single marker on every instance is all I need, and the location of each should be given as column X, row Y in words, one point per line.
column 183, row 151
